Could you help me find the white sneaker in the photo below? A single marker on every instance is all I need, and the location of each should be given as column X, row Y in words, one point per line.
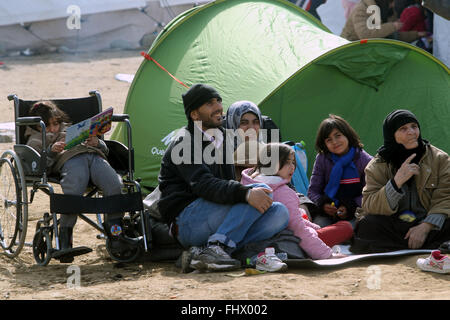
column 436, row 262
column 268, row 261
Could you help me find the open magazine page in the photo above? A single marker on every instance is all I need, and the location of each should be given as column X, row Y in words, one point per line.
column 77, row 133
column 101, row 123
column 95, row 126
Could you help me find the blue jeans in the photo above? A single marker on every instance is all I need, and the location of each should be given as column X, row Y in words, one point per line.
column 203, row 221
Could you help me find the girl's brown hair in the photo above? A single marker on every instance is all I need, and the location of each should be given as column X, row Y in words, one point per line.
column 47, row 110
column 339, row 123
column 269, row 151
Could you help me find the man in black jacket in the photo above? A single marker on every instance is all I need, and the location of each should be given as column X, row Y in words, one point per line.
column 200, row 199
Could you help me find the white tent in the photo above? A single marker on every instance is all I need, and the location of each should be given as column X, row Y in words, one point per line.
column 83, row 24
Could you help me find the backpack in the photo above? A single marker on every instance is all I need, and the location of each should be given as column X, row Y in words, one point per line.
column 300, row 180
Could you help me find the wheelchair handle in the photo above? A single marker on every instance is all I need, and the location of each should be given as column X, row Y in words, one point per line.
column 120, row 117
column 26, row 121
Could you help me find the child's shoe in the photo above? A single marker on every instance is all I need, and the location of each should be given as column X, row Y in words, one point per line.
column 436, row 262
column 268, row 261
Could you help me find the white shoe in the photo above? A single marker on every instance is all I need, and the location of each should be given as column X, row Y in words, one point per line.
column 268, row 261
column 436, row 262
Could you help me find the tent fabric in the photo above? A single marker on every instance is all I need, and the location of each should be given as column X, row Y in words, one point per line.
column 283, row 59
column 418, row 82
column 245, row 49
column 366, row 65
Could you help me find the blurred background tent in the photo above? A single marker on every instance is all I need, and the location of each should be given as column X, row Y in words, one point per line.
column 34, row 26
column 297, row 71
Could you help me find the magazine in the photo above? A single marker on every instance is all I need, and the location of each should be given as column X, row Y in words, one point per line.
column 94, row 126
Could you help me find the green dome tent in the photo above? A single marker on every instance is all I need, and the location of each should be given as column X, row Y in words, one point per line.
column 283, row 59
column 363, row 82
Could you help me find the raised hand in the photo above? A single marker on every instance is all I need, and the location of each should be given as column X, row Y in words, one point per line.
column 92, row 141
column 58, row 147
column 406, row 171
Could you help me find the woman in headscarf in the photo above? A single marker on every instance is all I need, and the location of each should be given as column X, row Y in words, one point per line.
column 245, row 118
column 406, row 199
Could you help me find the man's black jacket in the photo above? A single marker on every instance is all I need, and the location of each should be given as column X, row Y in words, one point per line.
column 181, row 184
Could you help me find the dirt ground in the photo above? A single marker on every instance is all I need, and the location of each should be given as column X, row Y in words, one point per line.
column 63, row 75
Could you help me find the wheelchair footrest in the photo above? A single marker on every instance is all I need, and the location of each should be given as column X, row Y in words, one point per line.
column 72, row 252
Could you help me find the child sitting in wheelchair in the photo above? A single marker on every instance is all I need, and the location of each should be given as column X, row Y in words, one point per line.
column 77, row 166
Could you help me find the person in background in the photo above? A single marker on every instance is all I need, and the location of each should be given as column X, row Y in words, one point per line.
column 310, row 6
column 348, row 6
column 362, row 23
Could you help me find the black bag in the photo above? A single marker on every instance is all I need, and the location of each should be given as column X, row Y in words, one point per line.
column 164, row 246
column 270, row 125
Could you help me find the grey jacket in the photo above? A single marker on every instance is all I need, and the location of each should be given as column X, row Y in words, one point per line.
column 55, row 161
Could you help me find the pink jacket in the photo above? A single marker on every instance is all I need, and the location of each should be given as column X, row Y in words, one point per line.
column 302, row 228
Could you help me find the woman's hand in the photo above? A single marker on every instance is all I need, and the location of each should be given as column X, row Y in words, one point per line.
column 330, row 209
column 92, row 141
column 406, row 171
column 259, row 199
column 417, row 235
column 58, row 147
column 341, row 212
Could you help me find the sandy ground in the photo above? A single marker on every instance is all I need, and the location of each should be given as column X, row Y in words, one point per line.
column 60, row 76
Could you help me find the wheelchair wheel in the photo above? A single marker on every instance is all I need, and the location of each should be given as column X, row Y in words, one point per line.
column 42, row 247
column 127, row 256
column 13, row 206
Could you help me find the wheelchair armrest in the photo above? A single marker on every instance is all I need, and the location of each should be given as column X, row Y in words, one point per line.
column 120, row 117
column 26, row 121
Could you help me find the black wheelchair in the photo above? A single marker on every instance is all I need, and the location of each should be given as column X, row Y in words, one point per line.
column 23, row 168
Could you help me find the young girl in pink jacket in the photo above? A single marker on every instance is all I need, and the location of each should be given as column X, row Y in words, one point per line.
column 276, row 165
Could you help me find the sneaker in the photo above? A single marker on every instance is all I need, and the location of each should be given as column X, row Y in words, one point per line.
column 214, row 258
column 436, row 262
column 186, row 258
column 268, row 261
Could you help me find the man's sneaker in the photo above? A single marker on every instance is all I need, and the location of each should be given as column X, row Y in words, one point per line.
column 214, row 258
column 268, row 261
column 436, row 262
column 186, row 258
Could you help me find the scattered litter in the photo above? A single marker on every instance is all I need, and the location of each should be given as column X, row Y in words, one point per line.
column 124, row 77
column 251, row 271
column 235, row 275
column 27, row 52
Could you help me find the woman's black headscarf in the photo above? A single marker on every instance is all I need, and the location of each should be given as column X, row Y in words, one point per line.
column 393, row 152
